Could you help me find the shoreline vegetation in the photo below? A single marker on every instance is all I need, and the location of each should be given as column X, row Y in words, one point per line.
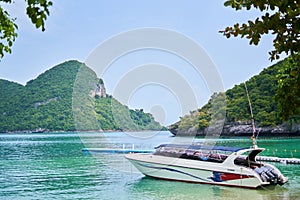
column 224, row 136
column 77, row 131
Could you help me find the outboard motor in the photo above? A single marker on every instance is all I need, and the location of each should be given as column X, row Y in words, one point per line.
column 268, row 174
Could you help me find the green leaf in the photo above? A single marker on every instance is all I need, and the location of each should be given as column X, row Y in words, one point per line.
column 227, row 3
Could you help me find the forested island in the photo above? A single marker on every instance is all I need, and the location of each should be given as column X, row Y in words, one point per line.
column 45, row 104
column 234, row 114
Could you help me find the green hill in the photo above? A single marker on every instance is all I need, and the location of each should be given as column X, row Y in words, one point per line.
column 235, row 109
column 45, row 103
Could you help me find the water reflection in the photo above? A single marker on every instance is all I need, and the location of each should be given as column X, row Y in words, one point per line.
column 160, row 189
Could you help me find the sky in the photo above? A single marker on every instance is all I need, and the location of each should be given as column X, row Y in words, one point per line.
column 75, row 29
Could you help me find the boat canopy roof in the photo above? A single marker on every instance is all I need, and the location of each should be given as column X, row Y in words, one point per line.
column 202, row 147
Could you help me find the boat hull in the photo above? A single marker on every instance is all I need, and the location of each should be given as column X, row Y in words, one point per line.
column 197, row 172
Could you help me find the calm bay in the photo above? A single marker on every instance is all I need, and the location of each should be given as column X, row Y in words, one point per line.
column 52, row 166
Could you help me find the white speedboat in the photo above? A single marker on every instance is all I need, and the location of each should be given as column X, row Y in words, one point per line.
column 227, row 166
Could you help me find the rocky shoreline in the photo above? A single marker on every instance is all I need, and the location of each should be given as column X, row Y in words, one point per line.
column 240, row 129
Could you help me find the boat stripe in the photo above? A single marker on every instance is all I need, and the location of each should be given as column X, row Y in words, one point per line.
column 174, row 170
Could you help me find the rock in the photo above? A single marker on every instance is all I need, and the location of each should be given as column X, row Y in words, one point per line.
column 241, row 129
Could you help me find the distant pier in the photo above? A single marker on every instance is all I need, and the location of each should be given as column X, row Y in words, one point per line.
column 105, row 150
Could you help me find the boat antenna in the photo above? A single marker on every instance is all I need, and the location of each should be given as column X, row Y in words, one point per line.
column 253, row 137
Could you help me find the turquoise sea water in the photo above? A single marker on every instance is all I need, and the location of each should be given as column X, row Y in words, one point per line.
column 52, row 166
